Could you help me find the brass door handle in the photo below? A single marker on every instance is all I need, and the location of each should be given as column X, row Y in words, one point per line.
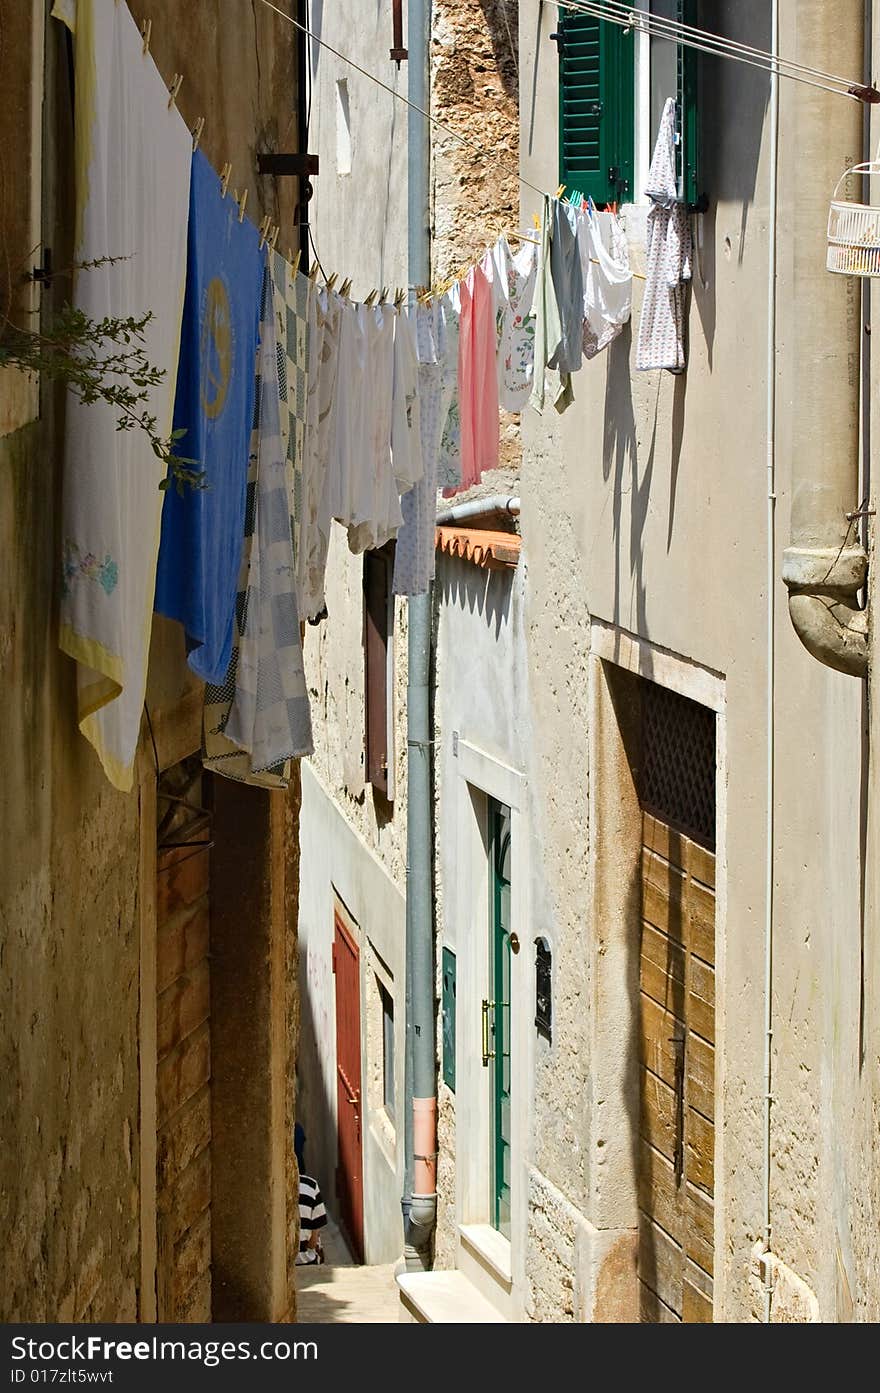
column 487, row 1053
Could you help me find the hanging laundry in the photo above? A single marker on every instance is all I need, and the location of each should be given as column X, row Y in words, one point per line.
column 292, row 303
column 202, row 529
column 515, row 290
column 345, row 432
column 270, row 711
column 607, row 279
column 568, row 286
column 373, row 515
column 477, row 376
column 323, row 370
column 548, row 327
column 669, row 251
column 414, row 554
column 406, row 441
column 449, row 458
column 132, row 161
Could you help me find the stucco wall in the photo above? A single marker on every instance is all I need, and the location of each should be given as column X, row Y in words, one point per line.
column 646, row 503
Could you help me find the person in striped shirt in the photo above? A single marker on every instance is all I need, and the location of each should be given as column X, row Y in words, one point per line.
column 312, row 1218
column 312, row 1214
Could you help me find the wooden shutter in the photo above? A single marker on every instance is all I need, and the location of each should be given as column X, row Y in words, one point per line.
column 596, row 107
column 377, row 591
column 689, row 122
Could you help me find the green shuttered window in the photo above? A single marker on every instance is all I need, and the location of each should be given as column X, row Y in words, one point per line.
column 596, row 107
column 597, row 111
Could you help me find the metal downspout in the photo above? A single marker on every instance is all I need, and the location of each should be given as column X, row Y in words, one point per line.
column 825, row 565
column 420, row 1192
column 770, row 854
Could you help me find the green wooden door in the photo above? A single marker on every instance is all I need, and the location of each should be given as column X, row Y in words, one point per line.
column 499, row 966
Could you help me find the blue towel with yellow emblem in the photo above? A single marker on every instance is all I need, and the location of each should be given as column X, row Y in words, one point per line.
column 203, row 528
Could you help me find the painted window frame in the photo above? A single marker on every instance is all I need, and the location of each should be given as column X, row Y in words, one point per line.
column 625, row 127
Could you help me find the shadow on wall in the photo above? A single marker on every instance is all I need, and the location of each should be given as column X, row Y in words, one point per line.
column 484, row 592
column 502, row 19
column 733, row 108
column 315, row 1108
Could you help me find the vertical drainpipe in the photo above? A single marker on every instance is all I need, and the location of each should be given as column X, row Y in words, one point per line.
column 420, row 1187
column 825, row 565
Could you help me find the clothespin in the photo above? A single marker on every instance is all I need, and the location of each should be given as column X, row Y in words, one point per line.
column 370, row 298
column 174, row 89
column 146, row 31
column 264, row 231
column 400, row 300
column 197, row 133
column 345, row 288
column 225, row 175
column 313, row 274
column 332, row 279
column 295, row 261
column 274, row 238
column 560, row 191
column 242, row 205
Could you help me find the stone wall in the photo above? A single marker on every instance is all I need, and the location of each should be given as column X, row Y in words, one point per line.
column 70, row 1182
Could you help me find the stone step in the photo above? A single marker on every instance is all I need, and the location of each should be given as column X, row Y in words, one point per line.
column 444, row 1298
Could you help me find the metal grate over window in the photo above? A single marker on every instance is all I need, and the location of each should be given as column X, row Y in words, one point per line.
column 677, row 779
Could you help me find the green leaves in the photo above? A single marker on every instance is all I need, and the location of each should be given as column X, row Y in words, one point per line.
column 102, row 360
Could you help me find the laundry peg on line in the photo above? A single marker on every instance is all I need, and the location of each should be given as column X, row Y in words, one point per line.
column 242, row 205
column 313, row 274
column 174, row 89
column 383, row 298
column 274, row 238
column 197, row 133
column 264, row 231
column 225, row 175
column 345, row 288
column 371, row 298
column 561, row 190
column 332, row 279
column 146, row 31
column 295, row 260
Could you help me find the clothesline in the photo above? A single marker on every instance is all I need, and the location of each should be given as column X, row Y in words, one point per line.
column 628, row 16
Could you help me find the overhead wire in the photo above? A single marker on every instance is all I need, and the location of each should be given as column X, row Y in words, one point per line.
column 440, row 125
column 627, row 16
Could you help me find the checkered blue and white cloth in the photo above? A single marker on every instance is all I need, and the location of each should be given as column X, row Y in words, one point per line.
column 259, row 719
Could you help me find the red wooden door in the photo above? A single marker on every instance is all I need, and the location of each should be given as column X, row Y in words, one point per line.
column 350, row 1170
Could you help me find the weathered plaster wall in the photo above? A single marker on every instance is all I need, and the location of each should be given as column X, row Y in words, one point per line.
column 645, row 505
column 349, row 838
column 334, row 863
column 69, row 912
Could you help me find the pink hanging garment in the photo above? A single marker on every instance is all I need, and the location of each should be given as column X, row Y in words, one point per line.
column 477, row 377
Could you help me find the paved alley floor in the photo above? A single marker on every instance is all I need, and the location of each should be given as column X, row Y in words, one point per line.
column 340, row 1292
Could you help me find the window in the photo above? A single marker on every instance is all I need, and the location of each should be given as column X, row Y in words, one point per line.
column 613, row 84
column 387, row 1051
column 378, row 671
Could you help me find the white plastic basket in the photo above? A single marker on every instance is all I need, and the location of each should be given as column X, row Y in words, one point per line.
column 854, row 231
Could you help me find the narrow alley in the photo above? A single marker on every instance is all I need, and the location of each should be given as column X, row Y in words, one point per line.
column 441, row 875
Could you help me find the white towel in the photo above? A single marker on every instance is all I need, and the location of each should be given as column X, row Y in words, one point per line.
column 133, row 159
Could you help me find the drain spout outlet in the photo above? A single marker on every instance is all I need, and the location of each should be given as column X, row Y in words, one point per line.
column 823, row 588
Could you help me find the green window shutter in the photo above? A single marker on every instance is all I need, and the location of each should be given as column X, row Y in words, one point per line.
column 688, row 108
column 596, row 107
column 448, row 1001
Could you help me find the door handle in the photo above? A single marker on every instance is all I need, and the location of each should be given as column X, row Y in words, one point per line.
column 487, row 1053
column 353, row 1096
